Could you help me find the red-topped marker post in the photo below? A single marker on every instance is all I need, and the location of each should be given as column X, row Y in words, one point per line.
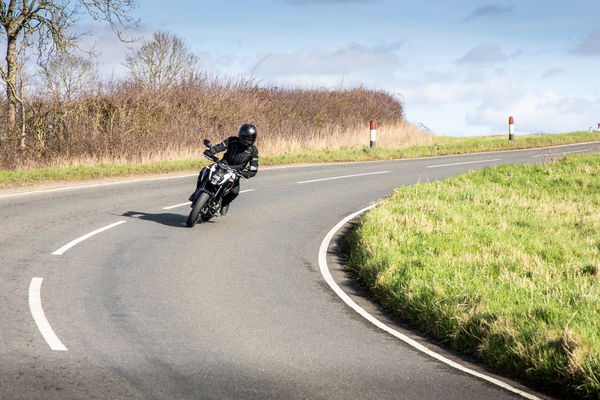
column 511, row 128
column 373, row 135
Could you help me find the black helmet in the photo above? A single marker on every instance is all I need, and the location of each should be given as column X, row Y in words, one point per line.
column 247, row 134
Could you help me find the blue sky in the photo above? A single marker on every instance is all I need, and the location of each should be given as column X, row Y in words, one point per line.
column 461, row 67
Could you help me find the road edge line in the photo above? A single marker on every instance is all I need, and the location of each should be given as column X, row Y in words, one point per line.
column 324, row 268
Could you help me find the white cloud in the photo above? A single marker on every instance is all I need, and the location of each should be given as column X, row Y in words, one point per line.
column 111, row 52
column 539, row 112
column 459, row 104
column 456, row 89
column 354, row 62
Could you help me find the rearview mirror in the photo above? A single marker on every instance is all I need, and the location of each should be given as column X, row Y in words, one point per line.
column 207, row 143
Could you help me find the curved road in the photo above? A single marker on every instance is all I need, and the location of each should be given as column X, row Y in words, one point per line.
column 232, row 309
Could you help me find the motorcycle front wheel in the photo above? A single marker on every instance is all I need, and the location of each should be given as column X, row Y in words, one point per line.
column 198, row 206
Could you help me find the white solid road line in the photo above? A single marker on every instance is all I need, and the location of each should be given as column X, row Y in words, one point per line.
column 189, row 202
column 411, row 342
column 84, row 237
column 463, row 163
column 344, row 176
column 35, row 305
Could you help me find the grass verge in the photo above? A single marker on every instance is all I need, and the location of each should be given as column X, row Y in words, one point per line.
column 502, row 264
column 440, row 145
column 26, row 177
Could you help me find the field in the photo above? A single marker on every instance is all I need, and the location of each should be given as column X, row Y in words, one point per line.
column 502, row 264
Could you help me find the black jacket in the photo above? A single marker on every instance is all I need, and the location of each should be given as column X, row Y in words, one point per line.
column 240, row 157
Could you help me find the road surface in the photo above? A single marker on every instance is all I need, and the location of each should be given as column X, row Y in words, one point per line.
column 105, row 294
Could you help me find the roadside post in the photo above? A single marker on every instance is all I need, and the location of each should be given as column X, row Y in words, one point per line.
column 374, row 135
column 598, row 126
column 511, row 128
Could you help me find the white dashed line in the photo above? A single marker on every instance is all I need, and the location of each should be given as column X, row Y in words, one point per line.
column 84, row 237
column 574, row 151
column 344, row 176
column 562, row 153
column 177, row 205
column 411, row 342
column 463, row 163
column 189, row 202
column 35, row 305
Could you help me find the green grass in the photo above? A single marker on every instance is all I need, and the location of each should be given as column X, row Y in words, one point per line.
column 23, row 177
column 502, row 264
column 441, row 146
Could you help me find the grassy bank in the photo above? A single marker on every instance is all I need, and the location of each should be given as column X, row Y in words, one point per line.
column 397, row 141
column 503, row 264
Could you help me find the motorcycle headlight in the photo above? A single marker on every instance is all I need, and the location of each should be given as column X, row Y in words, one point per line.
column 216, row 179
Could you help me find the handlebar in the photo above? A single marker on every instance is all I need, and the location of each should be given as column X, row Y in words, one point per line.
column 213, row 158
column 216, row 159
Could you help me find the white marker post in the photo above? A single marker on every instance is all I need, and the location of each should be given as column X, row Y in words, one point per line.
column 511, row 128
column 598, row 126
column 373, row 135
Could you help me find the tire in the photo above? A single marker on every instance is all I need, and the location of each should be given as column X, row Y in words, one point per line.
column 198, row 206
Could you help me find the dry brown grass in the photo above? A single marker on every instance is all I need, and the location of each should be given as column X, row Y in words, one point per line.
column 123, row 123
column 395, row 135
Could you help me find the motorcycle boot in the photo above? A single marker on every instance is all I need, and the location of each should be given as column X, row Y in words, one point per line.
column 224, row 209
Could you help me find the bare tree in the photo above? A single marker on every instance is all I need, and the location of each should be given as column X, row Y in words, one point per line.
column 47, row 23
column 162, row 62
column 67, row 75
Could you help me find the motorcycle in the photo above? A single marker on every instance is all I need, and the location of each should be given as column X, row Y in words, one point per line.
column 215, row 182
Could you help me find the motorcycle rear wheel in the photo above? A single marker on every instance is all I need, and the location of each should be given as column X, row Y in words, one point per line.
column 198, row 206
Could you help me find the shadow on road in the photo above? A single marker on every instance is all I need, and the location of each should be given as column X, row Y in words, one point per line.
column 168, row 219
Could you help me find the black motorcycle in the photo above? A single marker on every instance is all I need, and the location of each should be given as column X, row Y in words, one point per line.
column 215, row 182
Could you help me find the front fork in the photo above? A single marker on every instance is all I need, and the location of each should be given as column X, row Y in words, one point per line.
column 216, row 194
column 200, row 185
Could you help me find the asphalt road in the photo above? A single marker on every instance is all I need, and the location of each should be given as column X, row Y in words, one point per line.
column 231, row 309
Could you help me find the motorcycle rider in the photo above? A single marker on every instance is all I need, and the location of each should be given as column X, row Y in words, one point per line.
column 241, row 155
